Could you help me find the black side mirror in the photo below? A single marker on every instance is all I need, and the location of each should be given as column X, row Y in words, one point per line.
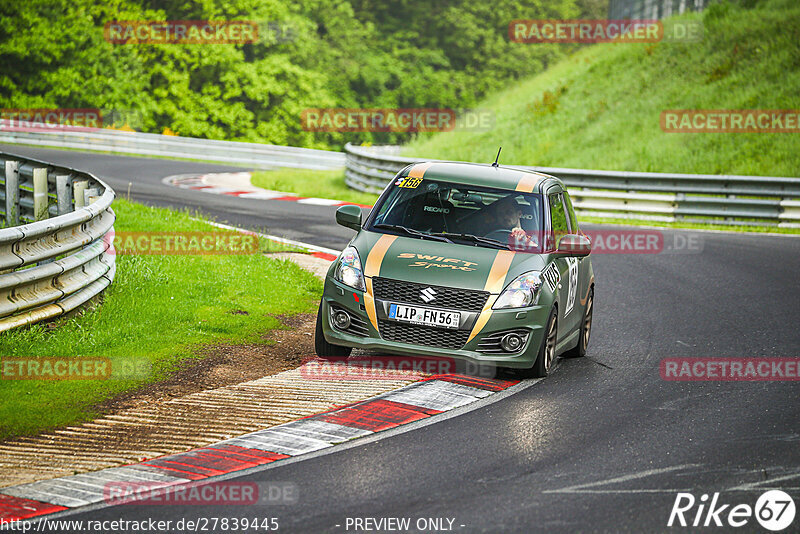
column 349, row 216
column 574, row 245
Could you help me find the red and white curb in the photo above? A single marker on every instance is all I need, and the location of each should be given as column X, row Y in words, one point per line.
column 420, row 400
column 237, row 184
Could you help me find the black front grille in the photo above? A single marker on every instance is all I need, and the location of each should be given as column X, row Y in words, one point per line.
column 423, row 335
column 446, row 297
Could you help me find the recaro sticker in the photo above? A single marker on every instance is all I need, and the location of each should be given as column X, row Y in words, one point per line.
column 551, row 276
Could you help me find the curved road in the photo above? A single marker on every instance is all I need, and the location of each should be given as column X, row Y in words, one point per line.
column 602, row 445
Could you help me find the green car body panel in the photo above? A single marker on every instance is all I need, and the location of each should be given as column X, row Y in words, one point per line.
column 413, row 263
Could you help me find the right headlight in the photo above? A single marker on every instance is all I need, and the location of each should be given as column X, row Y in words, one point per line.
column 522, row 292
column 349, row 271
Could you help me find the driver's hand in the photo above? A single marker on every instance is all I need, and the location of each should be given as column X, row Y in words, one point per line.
column 522, row 238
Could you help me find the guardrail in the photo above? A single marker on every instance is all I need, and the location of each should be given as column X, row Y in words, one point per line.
column 62, row 258
column 144, row 144
column 719, row 199
column 652, row 9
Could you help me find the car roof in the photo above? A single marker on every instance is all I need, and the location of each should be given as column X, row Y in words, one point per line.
column 478, row 174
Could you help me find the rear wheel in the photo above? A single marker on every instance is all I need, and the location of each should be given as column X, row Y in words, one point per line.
column 325, row 350
column 586, row 329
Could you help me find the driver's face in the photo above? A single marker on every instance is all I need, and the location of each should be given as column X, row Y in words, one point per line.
column 509, row 214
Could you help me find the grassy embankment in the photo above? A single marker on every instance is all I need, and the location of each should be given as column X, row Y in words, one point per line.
column 159, row 310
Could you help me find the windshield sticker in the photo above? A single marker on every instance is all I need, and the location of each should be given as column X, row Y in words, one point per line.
column 551, row 276
column 409, row 182
column 426, row 262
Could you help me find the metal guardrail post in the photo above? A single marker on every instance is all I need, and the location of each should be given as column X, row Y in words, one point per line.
column 90, row 195
column 40, row 199
column 12, row 193
column 63, row 194
column 79, row 188
column 56, row 263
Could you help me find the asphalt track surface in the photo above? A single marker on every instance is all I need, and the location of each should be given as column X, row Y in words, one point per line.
column 602, row 445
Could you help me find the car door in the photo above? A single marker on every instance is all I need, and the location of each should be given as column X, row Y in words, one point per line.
column 568, row 301
column 584, row 263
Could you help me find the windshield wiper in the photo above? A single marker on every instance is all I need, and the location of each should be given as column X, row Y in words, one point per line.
column 473, row 238
column 411, row 231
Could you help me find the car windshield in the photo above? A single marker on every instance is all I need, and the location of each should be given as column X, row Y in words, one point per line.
column 457, row 213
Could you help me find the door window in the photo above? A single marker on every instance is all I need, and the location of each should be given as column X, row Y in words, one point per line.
column 558, row 219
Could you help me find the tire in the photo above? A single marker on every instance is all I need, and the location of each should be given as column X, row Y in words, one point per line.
column 547, row 350
column 325, row 350
column 585, row 331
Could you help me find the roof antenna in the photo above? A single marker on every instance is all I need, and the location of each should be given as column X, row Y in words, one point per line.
column 495, row 164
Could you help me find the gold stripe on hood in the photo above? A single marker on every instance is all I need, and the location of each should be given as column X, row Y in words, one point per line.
column 372, row 267
column 494, row 284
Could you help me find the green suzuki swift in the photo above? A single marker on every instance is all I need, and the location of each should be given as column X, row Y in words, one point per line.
column 477, row 262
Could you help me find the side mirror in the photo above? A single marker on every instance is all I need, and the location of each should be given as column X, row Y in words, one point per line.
column 574, row 245
column 349, row 216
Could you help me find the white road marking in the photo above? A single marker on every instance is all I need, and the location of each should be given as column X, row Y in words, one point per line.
column 759, row 486
column 582, row 488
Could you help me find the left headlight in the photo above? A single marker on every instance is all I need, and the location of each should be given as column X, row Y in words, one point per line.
column 349, row 271
column 522, row 292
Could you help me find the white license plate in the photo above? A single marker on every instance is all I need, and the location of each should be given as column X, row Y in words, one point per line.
column 424, row 316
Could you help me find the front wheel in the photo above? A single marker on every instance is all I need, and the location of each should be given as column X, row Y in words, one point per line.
column 325, row 350
column 547, row 350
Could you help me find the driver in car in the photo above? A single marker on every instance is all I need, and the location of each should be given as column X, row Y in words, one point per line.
column 504, row 215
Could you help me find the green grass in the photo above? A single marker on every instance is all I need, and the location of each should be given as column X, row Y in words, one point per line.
column 159, row 309
column 308, row 183
column 600, row 108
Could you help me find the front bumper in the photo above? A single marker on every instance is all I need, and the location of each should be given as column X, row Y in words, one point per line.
column 531, row 320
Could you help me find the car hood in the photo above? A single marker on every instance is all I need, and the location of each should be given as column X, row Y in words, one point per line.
column 443, row 264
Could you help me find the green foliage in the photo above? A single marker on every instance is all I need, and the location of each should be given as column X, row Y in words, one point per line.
column 328, row 53
column 600, row 107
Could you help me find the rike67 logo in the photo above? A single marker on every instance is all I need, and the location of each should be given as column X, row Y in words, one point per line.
column 774, row 510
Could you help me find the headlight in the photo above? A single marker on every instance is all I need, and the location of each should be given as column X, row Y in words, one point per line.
column 522, row 292
column 349, row 270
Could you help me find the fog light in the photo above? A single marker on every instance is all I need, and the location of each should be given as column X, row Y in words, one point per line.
column 511, row 342
column 341, row 320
